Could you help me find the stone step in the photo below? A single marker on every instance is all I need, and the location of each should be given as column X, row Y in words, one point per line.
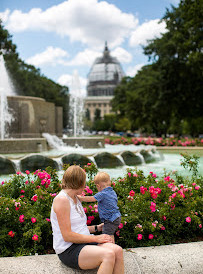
column 184, row 258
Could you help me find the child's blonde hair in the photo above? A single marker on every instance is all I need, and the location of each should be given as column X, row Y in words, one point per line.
column 74, row 177
column 102, row 177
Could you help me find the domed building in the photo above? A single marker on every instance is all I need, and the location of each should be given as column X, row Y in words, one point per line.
column 105, row 74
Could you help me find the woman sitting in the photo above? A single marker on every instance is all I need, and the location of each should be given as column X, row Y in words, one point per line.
column 72, row 241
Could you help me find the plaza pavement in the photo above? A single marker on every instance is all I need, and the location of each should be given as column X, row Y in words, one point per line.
column 184, row 258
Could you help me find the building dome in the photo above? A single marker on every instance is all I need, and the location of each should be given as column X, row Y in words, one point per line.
column 105, row 75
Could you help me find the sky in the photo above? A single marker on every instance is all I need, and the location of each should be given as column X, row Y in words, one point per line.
column 62, row 38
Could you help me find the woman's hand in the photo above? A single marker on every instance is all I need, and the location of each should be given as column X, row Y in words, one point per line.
column 104, row 238
column 100, row 227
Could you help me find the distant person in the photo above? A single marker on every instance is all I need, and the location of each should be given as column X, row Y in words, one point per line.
column 107, row 203
column 72, row 241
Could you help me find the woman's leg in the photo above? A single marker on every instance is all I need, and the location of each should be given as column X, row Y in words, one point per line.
column 119, row 262
column 92, row 256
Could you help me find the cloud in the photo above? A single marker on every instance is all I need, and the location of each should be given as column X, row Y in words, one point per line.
column 84, row 58
column 4, row 16
column 51, row 56
column 67, row 80
column 132, row 71
column 146, row 31
column 122, row 55
column 90, row 22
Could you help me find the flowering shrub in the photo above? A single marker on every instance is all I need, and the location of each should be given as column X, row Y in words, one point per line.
column 183, row 142
column 154, row 210
column 159, row 211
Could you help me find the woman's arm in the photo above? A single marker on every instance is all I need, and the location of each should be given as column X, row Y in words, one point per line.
column 61, row 207
column 86, row 198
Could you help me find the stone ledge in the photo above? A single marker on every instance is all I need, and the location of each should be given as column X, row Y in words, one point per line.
column 168, row 259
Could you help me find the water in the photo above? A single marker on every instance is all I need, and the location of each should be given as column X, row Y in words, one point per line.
column 76, row 107
column 169, row 162
column 6, row 89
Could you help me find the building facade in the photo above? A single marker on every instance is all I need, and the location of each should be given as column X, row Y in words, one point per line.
column 105, row 74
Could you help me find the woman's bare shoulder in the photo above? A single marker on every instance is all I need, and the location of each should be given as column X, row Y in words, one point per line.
column 60, row 202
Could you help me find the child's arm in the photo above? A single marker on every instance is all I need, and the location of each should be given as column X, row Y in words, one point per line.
column 86, row 198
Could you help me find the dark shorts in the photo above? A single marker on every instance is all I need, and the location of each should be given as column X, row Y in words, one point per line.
column 70, row 256
column 111, row 227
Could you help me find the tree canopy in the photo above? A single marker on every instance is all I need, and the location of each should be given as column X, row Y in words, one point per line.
column 166, row 96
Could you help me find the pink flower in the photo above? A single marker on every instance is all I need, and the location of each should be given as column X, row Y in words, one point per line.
column 91, row 218
column 120, row 226
column 167, row 179
column 85, row 209
column 34, row 198
column 143, row 189
column 131, row 193
column 33, row 220
column 153, row 207
column 197, row 187
column 200, row 226
column 154, row 224
column 27, row 172
column 154, row 175
column 188, row 219
column 194, row 184
column 174, row 195
column 135, row 175
column 17, row 208
column 48, row 220
column 90, row 206
column 163, row 228
column 129, row 174
column 27, row 182
column 2, row 183
column 118, row 233
column 22, row 191
column 35, row 237
column 151, row 236
column 21, row 219
column 18, row 173
column 89, row 164
column 164, row 218
column 11, row 233
column 88, row 222
column 139, row 237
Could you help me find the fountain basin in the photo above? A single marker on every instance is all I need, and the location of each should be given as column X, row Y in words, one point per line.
column 23, row 145
column 85, row 142
column 40, row 161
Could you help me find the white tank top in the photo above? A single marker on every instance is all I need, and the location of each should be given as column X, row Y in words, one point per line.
column 78, row 221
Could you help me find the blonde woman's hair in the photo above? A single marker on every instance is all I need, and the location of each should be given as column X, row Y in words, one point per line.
column 102, row 177
column 73, row 178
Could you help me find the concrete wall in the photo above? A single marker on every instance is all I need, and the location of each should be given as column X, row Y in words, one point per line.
column 85, row 142
column 27, row 145
column 33, row 116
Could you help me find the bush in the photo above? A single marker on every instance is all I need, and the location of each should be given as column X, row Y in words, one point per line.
column 154, row 210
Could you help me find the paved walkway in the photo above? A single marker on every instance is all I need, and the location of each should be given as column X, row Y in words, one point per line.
column 171, row 259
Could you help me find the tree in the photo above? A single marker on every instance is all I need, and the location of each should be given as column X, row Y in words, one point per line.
column 166, row 96
column 179, row 58
column 28, row 80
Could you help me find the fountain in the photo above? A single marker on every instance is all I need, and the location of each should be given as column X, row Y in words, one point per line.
column 76, row 107
column 24, row 119
column 6, row 89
